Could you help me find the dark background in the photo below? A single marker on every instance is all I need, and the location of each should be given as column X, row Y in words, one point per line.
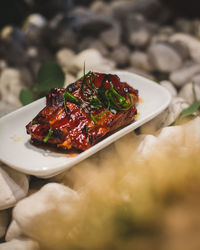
column 14, row 11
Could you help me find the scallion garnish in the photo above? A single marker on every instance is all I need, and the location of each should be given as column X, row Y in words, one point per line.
column 71, row 98
column 98, row 98
column 48, row 135
column 93, row 118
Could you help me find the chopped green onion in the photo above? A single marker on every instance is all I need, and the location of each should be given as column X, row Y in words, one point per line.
column 71, row 97
column 93, row 118
column 48, row 135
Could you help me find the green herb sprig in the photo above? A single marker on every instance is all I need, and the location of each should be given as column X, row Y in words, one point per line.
column 99, row 97
column 50, row 131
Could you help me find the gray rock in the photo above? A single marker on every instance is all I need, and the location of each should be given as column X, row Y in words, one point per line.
column 182, row 49
column 14, row 35
column 190, row 92
column 3, row 65
column 10, row 86
column 51, row 208
column 166, row 30
column 99, row 6
column 98, row 45
column 197, row 28
column 184, row 74
column 12, row 47
column 20, row 244
column 151, row 9
column 13, row 186
column 139, row 38
column 33, row 27
column 166, row 118
column 196, row 79
column 32, row 52
column 140, row 60
column 84, row 22
column 64, row 37
column 121, row 55
column 93, row 43
column 122, row 8
column 160, row 38
column 170, row 87
column 4, row 220
column 93, row 61
column 190, row 42
column 111, row 37
column 64, row 58
column 164, row 58
column 184, row 25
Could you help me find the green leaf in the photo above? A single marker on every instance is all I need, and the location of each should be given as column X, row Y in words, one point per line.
column 26, row 96
column 194, row 107
column 50, row 76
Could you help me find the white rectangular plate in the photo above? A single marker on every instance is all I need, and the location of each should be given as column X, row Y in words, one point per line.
column 17, row 152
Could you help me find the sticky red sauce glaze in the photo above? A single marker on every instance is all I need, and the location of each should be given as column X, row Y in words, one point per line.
column 72, row 126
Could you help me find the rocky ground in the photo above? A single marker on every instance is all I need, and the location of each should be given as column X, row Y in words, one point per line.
column 136, row 36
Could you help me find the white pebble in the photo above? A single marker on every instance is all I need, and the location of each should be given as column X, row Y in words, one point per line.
column 51, row 208
column 13, row 186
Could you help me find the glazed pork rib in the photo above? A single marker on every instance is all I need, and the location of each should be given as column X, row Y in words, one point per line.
column 80, row 115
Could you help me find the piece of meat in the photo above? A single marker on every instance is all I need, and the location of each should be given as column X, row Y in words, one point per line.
column 83, row 113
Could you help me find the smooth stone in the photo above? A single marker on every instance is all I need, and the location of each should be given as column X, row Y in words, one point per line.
column 33, row 27
column 192, row 43
column 10, row 86
column 13, row 231
column 84, row 22
column 181, row 135
column 182, row 49
column 170, row 87
column 20, row 244
column 196, row 79
column 184, row 25
column 3, row 64
column 111, row 37
column 93, row 43
column 14, row 35
column 32, row 52
column 190, row 92
column 13, row 185
column 37, row 20
column 197, row 28
column 184, row 74
column 164, row 58
column 139, row 38
column 4, row 220
column 160, row 38
column 99, row 6
column 52, row 208
column 98, row 45
column 92, row 59
column 64, row 58
column 140, row 60
column 120, row 55
column 166, row 118
column 146, row 144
